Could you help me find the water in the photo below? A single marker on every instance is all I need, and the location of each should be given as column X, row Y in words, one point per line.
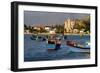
column 37, row 50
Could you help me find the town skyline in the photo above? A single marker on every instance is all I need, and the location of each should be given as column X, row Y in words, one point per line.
column 34, row 18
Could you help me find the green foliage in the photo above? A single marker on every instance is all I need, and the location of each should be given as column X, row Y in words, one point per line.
column 43, row 30
column 25, row 27
column 87, row 22
column 59, row 28
column 79, row 24
column 83, row 24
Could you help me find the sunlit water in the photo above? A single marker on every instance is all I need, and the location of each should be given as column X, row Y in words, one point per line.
column 37, row 50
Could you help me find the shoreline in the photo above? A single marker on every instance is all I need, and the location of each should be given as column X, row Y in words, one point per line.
column 50, row 34
column 76, row 34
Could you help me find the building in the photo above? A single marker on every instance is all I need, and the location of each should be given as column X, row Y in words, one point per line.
column 52, row 32
column 82, row 31
column 69, row 26
column 47, row 28
column 75, row 31
column 37, row 28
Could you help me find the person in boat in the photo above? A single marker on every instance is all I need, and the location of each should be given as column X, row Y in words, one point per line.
column 72, row 43
column 58, row 44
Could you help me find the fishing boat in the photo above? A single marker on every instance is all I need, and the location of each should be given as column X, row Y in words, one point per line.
column 54, row 43
column 77, row 47
column 50, row 47
column 38, row 38
column 51, row 44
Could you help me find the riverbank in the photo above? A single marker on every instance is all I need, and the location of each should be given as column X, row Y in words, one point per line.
column 75, row 34
column 50, row 34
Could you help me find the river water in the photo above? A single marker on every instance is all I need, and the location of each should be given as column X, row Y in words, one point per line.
column 37, row 50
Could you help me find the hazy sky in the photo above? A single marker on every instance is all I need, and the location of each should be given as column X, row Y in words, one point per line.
column 35, row 18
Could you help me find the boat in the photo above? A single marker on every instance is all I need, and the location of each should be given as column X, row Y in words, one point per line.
column 53, row 43
column 33, row 37
column 77, row 45
column 41, row 38
column 38, row 38
column 51, row 47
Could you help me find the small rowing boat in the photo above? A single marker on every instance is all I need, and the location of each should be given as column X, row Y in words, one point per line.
column 78, row 45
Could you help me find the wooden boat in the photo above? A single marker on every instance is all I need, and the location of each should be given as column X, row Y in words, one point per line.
column 33, row 37
column 50, row 47
column 77, row 45
column 82, row 47
column 51, row 41
column 38, row 38
column 54, row 45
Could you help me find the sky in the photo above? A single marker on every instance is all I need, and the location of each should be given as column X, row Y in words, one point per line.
column 49, row 18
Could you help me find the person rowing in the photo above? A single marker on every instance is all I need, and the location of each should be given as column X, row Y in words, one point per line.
column 58, row 44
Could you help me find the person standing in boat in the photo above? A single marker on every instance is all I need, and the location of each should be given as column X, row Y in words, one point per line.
column 58, row 44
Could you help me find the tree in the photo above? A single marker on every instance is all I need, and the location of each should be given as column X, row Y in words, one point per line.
column 59, row 28
column 79, row 25
column 25, row 27
column 86, row 21
column 30, row 29
column 83, row 24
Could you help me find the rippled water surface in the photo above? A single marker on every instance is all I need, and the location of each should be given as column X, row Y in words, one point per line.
column 37, row 50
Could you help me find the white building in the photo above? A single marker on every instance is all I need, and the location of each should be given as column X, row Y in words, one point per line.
column 47, row 28
column 37, row 28
column 69, row 25
column 52, row 32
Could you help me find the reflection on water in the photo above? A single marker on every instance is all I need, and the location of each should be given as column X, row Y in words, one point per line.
column 37, row 50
